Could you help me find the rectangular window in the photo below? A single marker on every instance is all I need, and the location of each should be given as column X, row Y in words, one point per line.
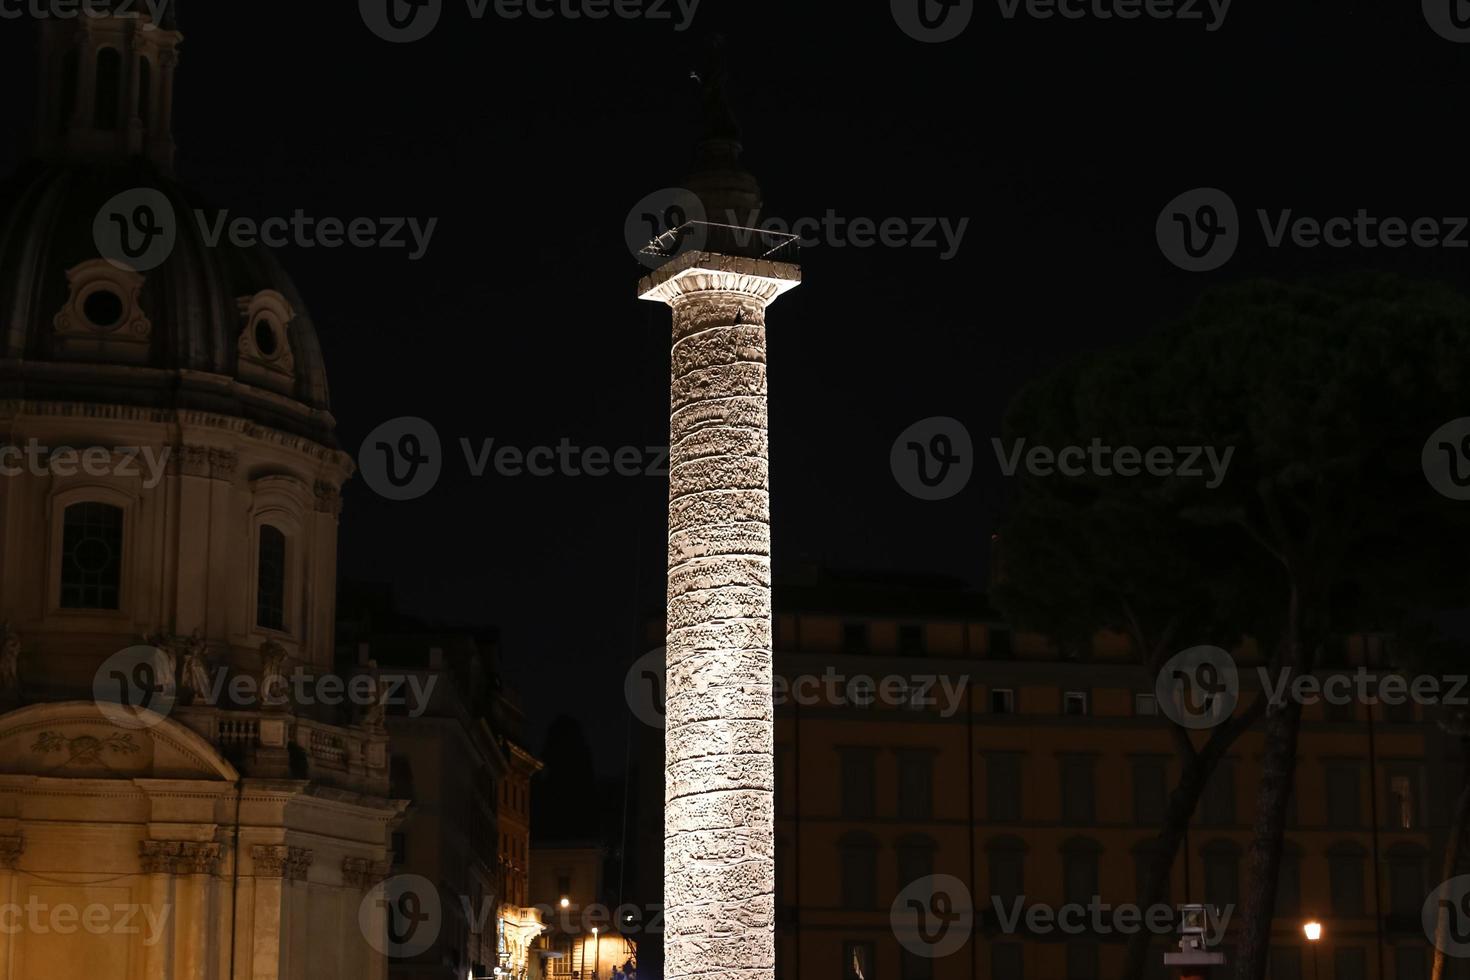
column 858, row 783
column 1082, row 961
column 914, row 862
column 1219, row 801
column 1006, row 870
column 859, row 876
column 1345, row 872
column 854, row 637
column 915, row 967
column 1003, row 788
column 1074, row 703
column 91, row 556
column 999, row 646
column 1079, row 877
column 915, row 784
column 1403, row 794
column 1078, row 796
column 1143, row 859
column 1222, row 879
column 911, row 640
column 1343, row 796
column 1289, row 884
column 1286, row 963
column 857, row 961
column 270, row 581
column 1002, row 701
column 1145, row 705
column 1350, row 963
column 1409, row 963
column 1150, row 792
column 1405, row 886
column 1006, row 961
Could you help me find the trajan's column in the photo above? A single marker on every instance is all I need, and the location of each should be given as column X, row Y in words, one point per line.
column 719, row 835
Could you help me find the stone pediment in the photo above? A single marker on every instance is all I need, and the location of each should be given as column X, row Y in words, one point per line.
column 76, row 739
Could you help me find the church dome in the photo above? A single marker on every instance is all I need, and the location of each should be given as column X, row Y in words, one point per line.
column 194, row 322
column 213, row 327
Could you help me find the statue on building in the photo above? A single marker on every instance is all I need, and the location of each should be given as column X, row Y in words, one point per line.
column 194, row 668
column 376, row 713
column 274, row 690
column 9, row 664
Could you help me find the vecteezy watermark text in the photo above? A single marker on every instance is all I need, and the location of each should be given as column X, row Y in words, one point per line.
column 405, row 21
column 71, row 9
column 1100, row 460
column 40, row 918
column 37, row 459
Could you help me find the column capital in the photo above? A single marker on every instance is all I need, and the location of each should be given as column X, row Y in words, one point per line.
column 281, row 861
column 11, row 849
column 704, row 272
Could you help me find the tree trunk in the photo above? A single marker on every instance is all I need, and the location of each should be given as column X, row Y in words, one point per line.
column 1193, row 777
column 1278, row 777
column 1453, row 849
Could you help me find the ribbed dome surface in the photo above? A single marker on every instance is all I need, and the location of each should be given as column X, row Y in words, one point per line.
column 192, row 357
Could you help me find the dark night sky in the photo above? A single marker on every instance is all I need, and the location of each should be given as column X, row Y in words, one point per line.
column 530, row 141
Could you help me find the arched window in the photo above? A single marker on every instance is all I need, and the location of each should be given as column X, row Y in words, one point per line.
column 91, row 556
column 145, row 89
column 70, row 65
column 270, row 592
column 109, row 76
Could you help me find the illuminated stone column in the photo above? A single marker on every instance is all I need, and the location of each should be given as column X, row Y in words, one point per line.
column 719, row 837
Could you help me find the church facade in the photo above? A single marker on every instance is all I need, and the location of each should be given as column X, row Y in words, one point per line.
column 170, row 480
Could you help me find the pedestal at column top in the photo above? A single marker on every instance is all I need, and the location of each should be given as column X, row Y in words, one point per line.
column 695, row 272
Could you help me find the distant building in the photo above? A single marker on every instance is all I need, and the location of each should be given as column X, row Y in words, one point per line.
column 585, row 939
column 1044, row 776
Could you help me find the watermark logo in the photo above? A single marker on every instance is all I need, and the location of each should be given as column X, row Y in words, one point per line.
column 664, row 225
column 401, row 916
column 401, row 459
column 1451, row 901
column 401, row 21
column 933, row 459
column 136, row 229
column 1199, row 230
column 1098, row 459
column 1198, row 687
column 933, row 916
column 933, row 21
column 644, row 687
column 1450, row 19
column 135, row 687
column 405, row 21
column 1446, row 459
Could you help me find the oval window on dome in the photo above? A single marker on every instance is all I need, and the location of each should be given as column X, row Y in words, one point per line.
column 103, row 309
column 267, row 341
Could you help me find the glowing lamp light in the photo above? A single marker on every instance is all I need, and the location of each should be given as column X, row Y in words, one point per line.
column 565, row 902
column 1312, row 930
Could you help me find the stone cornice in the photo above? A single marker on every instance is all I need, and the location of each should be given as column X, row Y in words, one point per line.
column 702, row 272
column 14, row 408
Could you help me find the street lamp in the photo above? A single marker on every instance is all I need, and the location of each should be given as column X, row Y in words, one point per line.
column 596, row 952
column 1313, row 931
